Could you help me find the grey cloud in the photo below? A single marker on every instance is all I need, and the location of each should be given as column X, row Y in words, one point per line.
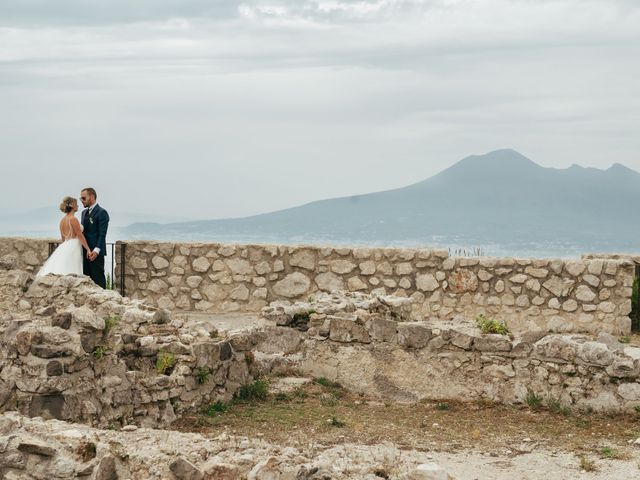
column 95, row 12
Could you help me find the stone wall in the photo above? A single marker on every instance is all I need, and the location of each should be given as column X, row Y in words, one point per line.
column 23, row 253
column 356, row 340
column 588, row 295
column 72, row 351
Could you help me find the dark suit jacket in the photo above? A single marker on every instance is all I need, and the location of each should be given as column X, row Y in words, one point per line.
column 95, row 228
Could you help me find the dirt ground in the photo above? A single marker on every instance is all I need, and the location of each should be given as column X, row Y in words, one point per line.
column 324, row 415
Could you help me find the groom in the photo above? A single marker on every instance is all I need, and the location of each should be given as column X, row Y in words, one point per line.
column 95, row 221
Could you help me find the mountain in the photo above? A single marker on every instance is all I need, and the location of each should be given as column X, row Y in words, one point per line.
column 500, row 201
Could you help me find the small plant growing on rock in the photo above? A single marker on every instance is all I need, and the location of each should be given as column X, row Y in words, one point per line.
column 202, row 375
column 99, row 351
column 624, row 339
column 165, row 362
column 490, row 325
column 216, row 408
column 256, row 391
column 442, row 406
column 533, row 400
column 213, row 334
column 110, row 322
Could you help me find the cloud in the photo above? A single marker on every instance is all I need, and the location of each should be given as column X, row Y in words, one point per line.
column 291, row 101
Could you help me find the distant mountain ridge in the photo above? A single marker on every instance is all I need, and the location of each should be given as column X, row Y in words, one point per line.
column 500, row 198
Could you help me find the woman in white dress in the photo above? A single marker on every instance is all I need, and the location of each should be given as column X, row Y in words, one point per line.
column 67, row 258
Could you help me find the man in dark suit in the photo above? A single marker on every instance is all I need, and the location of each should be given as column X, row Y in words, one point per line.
column 95, row 221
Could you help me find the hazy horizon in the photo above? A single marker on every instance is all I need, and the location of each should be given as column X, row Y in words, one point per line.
column 227, row 109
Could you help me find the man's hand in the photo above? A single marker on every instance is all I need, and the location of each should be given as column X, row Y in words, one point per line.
column 92, row 256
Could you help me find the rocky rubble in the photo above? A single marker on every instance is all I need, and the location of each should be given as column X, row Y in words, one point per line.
column 73, row 351
column 357, row 340
column 34, row 449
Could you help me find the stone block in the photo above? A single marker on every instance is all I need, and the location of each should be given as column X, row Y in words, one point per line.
column 492, row 342
column 293, row 285
column 596, row 353
column 383, row 330
column 346, row 330
column 413, row 334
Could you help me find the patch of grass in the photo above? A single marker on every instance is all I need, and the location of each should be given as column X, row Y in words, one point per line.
column 327, row 383
column 587, row 465
column 165, row 362
column 202, row 375
column 533, row 400
column 624, row 339
column 110, row 322
column 490, row 325
column 336, row 422
column 582, row 423
column 281, row 397
column 607, row 452
column 556, row 406
column 256, row 391
column 442, row 406
column 99, row 351
column 216, row 409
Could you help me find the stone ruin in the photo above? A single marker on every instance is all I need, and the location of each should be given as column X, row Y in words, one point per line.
column 71, row 352
column 365, row 343
column 75, row 358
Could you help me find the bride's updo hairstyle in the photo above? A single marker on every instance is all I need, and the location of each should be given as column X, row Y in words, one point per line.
column 67, row 204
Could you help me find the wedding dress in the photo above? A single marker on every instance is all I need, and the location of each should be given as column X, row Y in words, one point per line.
column 66, row 259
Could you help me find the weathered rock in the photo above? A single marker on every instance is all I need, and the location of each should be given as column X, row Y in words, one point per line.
column 427, row 282
column 185, row 470
column 463, row 280
column 86, row 319
column 293, row 285
column 413, row 334
column 329, row 282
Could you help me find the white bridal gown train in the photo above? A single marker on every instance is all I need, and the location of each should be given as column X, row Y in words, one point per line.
column 65, row 260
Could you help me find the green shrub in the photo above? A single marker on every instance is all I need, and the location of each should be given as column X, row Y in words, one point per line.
column 216, row 408
column 165, row 362
column 202, row 375
column 256, row 391
column 99, row 351
column 490, row 325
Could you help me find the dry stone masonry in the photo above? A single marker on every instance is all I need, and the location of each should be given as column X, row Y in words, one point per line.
column 23, row 253
column 362, row 342
column 588, row 295
column 70, row 350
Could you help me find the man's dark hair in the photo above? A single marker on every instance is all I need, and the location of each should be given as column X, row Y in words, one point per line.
column 91, row 191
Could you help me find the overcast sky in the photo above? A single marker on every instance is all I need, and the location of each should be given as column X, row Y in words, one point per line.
column 208, row 109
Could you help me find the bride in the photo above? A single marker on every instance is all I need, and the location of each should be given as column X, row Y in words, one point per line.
column 67, row 258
